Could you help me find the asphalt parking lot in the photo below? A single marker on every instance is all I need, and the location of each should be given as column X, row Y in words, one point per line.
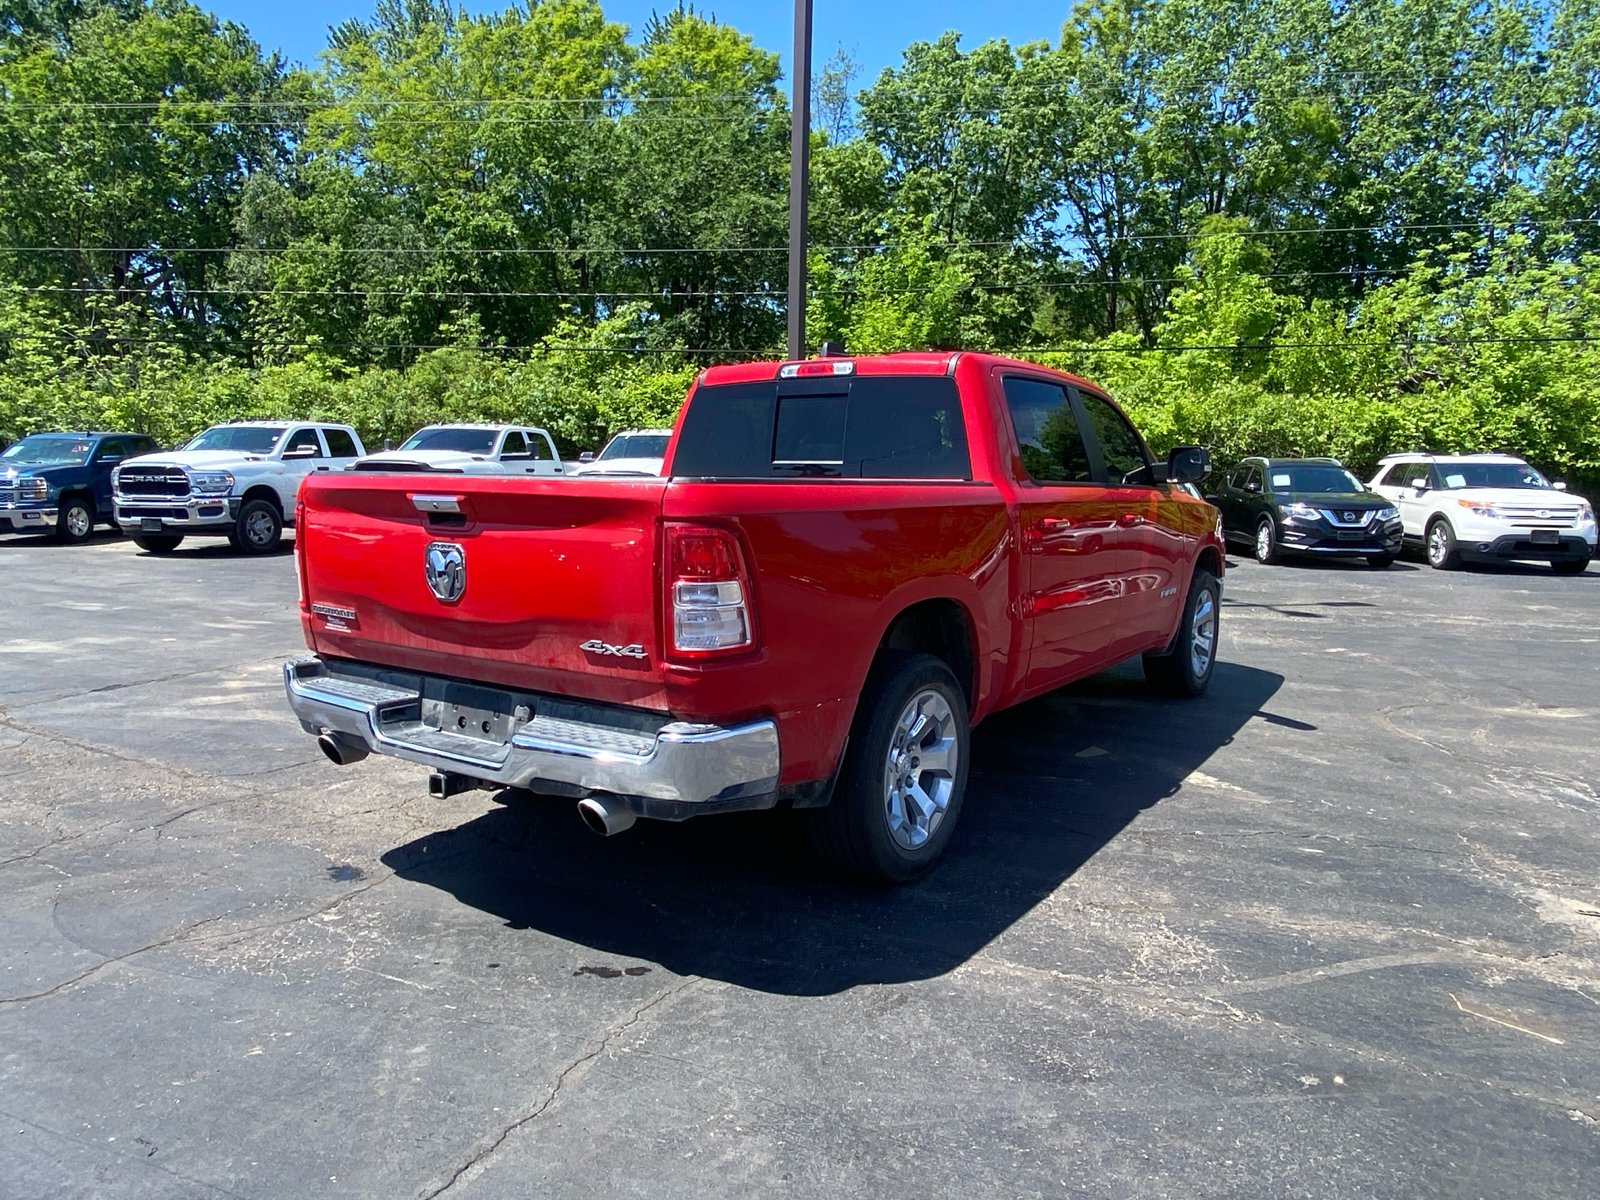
column 1333, row 930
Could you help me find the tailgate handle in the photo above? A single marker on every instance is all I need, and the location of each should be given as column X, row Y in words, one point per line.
column 436, row 504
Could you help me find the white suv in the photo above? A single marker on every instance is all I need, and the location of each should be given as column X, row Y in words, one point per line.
column 1486, row 508
column 236, row 481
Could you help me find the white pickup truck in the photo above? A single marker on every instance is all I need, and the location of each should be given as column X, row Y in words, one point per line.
column 471, row 450
column 236, row 481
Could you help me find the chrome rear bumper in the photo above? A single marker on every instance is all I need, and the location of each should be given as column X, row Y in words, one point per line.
column 678, row 770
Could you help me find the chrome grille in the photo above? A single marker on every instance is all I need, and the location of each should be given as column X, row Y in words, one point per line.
column 1357, row 517
column 1546, row 515
column 8, row 494
column 153, row 481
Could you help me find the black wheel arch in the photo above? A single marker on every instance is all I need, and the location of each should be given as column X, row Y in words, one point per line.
column 943, row 628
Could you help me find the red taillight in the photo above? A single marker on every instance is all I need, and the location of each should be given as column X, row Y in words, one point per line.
column 300, row 552
column 703, row 554
column 707, row 593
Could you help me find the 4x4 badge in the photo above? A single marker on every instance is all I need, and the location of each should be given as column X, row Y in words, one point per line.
column 445, row 565
column 596, row 646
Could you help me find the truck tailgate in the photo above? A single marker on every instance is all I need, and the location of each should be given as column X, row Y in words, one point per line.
column 558, row 578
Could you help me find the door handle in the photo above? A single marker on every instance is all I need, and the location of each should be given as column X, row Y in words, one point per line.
column 1130, row 519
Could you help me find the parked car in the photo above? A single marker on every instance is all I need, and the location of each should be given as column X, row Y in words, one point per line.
column 236, row 480
column 62, row 481
column 1486, row 508
column 849, row 563
column 1307, row 506
column 471, row 450
column 631, row 452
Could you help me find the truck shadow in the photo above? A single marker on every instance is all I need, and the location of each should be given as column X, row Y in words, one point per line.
column 742, row 899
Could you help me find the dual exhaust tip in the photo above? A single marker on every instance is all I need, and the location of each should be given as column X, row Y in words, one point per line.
column 605, row 815
column 342, row 750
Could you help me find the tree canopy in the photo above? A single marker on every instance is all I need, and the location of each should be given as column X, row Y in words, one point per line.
column 1276, row 225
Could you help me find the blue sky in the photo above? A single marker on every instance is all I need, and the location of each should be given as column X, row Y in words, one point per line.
column 874, row 33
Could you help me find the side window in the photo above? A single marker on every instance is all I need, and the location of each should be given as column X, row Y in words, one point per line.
column 516, row 446
column 1413, row 472
column 1240, row 474
column 539, row 448
column 303, row 443
column 1048, row 437
column 1255, row 478
column 144, row 445
column 340, row 443
column 1395, row 476
column 111, row 448
column 1120, row 447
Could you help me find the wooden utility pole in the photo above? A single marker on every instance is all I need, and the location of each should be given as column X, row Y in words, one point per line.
column 799, row 176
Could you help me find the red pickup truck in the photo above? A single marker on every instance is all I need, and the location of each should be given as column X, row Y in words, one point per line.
column 846, row 564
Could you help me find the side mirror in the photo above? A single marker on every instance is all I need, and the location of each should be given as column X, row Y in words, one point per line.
column 1421, row 485
column 301, row 452
column 112, row 459
column 1559, row 486
column 1188, row 464
column 1252, row 486
column 586, row 456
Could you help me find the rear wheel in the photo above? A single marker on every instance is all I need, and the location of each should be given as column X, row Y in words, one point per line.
column 1186, row 669
column 1266, row 542
column 259, row 528
column 74, row 520
column 158, row 543
column 1443, row 553
column 1379, row 560
column 1570, row 566
column 904, row 775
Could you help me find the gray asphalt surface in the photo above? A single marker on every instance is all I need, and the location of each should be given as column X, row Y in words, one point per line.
column 1333, row 930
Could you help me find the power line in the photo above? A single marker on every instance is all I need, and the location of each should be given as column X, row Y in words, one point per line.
column 776, row 354
column 1311, row 86
column 1271, row 346
column 1017, row 243
column 422, row 292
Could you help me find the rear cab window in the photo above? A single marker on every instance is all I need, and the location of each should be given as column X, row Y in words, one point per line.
column 856, row 427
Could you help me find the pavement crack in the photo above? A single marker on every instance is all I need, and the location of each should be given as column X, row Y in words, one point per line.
column 137, row 683
column 189, row 934
column 572, row 1070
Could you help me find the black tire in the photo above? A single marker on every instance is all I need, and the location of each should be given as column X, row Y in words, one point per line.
column 1267, row 543
column 1570, row 566
column 1187, row 668
column 158, row 543
column 1380, row 561
column 259, row 529
column 75, row 520
column 1440, row 546
column 854, row 832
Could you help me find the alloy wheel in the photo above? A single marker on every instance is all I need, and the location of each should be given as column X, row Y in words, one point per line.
column 1203, row 634
column 78, row 523
column 920, row 772
column 1438, row 544
column 259, row 528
